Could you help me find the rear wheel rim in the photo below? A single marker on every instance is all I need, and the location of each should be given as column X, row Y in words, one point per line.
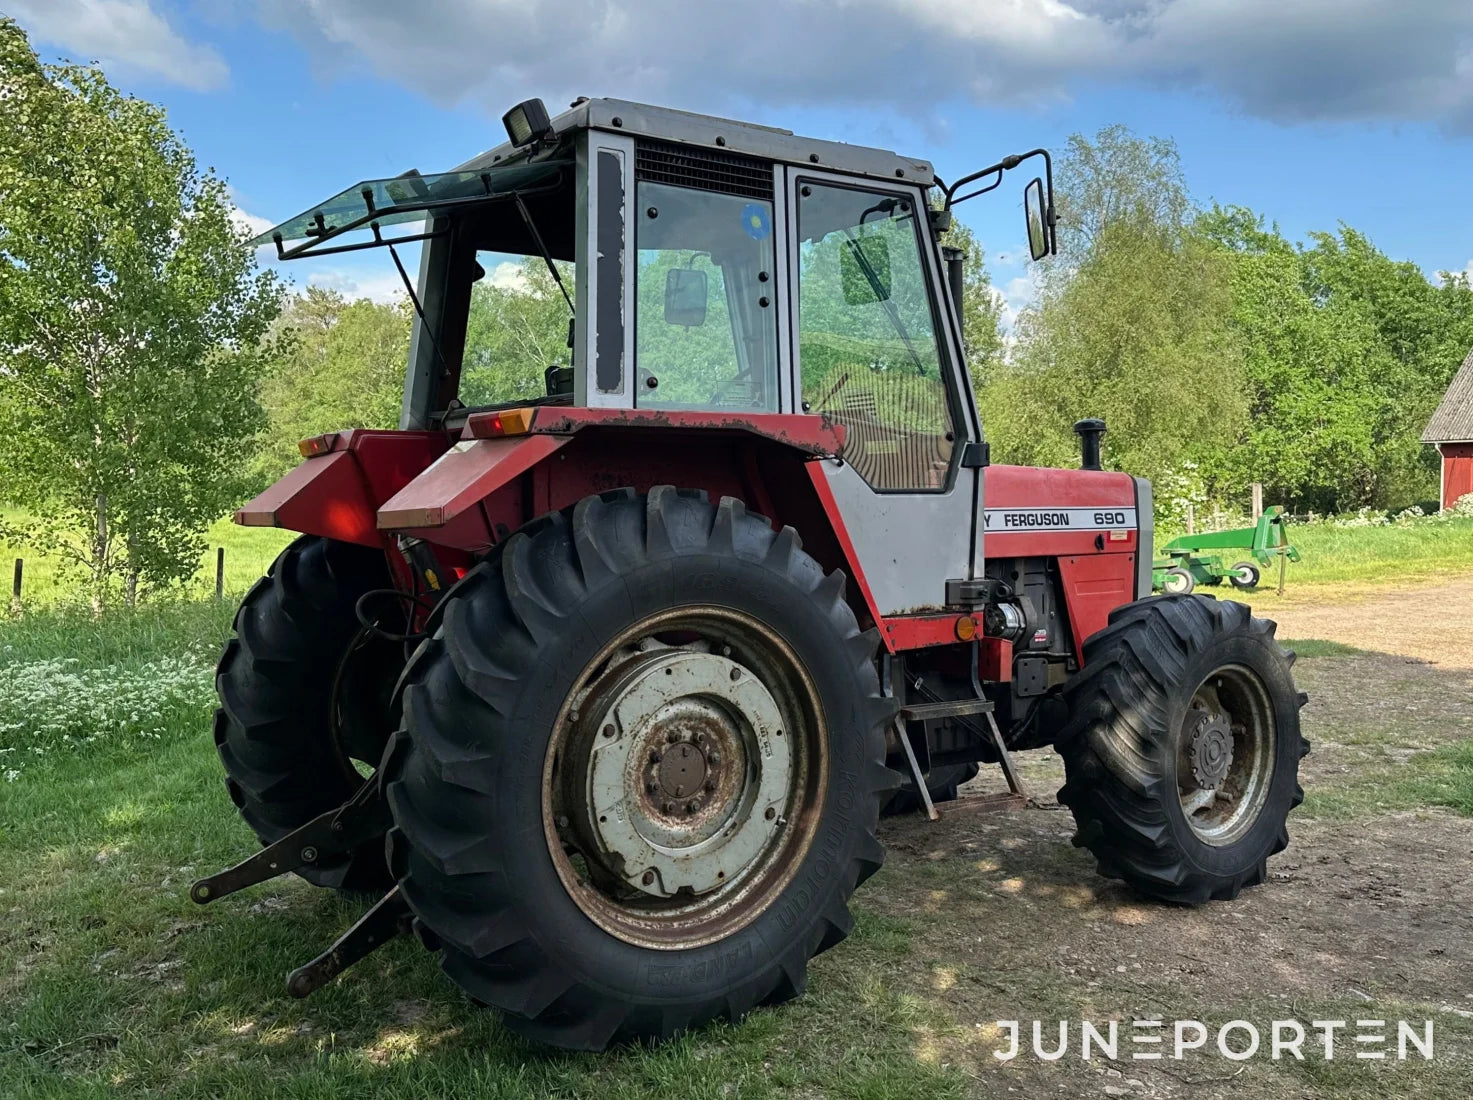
column 1225, row 755
column 684, row 779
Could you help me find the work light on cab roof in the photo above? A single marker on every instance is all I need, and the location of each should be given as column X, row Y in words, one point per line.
column 599, row 669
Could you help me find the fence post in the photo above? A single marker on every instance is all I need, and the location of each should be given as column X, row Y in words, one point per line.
column 20, row 566
column 219, row 572
column 1257, row 500
column 1191, row 519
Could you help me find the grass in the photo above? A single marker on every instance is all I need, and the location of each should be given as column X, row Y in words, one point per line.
column 1440, row 777
column 1321, row 647
column 50, row 580
column 1340, row 563
column 113, row 983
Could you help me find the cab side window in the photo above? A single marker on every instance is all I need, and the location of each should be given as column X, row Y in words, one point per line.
column 705, row 333
column 867, row 341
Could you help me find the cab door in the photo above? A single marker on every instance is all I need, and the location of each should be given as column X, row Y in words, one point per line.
column 874, row 348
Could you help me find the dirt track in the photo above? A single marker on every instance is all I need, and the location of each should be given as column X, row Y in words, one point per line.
column 1368, row 914
column 1433, row 622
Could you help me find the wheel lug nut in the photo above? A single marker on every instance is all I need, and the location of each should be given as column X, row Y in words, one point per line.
column 710, row 786
column 647, row 878
column 713, row 758
column 736, row 674
column 673, row 736
column 651, row 787
column 692, row 806
column 667, row 807
column 770, row 814
column 562, row 821
column 654, row 756
column 609, row 730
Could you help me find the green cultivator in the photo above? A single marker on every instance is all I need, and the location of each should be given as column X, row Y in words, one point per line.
column 1199, row 559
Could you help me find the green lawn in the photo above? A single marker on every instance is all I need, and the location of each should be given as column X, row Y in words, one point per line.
column 248, row 552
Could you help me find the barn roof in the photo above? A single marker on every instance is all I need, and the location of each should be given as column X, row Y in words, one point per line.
column 1453, row 420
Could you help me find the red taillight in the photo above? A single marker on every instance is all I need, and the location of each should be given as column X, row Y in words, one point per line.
column 317, row 445
column 503, row 422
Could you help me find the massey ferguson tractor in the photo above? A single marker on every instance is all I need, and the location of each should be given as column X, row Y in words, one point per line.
column 598, row 674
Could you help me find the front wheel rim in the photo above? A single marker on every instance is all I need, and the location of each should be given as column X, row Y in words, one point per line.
column 684, row 779
column 1226, row 752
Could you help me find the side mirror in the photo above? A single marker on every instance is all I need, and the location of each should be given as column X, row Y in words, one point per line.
column 864, row 269
column 1035, row 209
column 685, row 297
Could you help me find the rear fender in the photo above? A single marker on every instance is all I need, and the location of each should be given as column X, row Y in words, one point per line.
column 337, row 492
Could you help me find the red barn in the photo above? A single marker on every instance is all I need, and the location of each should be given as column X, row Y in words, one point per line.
column 1451, row 431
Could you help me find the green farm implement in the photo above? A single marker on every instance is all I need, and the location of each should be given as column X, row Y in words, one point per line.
column 1201, row 559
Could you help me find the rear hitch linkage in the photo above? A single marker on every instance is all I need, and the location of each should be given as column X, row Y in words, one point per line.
column 337, row 832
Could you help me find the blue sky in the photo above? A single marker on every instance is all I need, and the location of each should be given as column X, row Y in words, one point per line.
column 1312, row 112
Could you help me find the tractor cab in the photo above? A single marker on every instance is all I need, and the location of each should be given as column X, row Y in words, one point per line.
column 703, row 264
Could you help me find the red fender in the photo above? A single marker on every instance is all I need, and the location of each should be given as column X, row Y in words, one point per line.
column 336, row 491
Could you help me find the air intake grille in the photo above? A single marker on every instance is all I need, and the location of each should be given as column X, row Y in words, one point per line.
column 704, row 169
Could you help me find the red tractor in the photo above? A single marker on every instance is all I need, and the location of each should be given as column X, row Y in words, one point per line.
column 600, row 675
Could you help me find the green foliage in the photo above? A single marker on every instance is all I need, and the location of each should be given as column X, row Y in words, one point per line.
column 131, row 328
column 341, row 365
column 1132, row 328
column 1346, row 353
column 518, row 327
column 981, row 307
column 1221, row 353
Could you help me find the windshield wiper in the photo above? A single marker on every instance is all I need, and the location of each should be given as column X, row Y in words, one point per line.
column 542, row 248
column 870, row 276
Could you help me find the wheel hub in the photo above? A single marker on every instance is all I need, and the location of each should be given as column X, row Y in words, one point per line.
column 1211, row 748
column 687, row 773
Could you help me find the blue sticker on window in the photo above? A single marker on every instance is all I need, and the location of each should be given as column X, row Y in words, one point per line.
column 755, row 221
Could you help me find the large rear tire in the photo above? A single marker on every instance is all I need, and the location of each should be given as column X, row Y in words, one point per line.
column 303, row 694
column 1182, row 751
column 566, row 716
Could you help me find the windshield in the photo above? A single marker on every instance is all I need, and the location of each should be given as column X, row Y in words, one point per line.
column 369, row 204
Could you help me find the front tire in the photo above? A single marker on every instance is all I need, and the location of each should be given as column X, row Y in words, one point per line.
column 1182, row 751
column 530, row 772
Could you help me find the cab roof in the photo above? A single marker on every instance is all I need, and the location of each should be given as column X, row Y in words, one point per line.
column 641, row 120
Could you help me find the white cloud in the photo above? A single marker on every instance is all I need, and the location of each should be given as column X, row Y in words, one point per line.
column 1291, row 60
column 357, row 284
column 253, row 224
column 125, row 33
column 508, row 276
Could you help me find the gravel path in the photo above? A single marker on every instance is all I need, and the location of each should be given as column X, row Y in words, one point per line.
column 1432, row 623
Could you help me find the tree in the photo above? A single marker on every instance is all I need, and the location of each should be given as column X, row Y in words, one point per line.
column 518, row 327
column 981, row 306
column 1132, row 326
column 1346, row 354
column 340, row 365
column 131, row 327
column 1118, row 179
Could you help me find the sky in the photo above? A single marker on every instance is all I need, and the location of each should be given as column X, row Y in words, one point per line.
column 1311, row 112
